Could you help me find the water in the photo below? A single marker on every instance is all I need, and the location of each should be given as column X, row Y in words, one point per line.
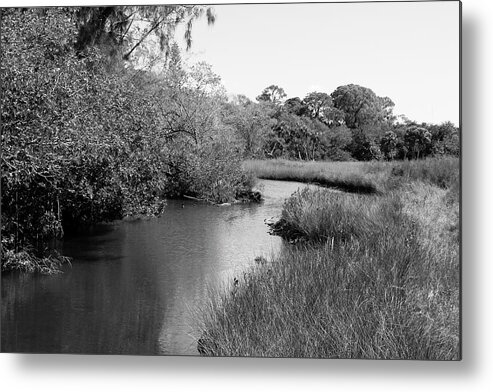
column 137, row 287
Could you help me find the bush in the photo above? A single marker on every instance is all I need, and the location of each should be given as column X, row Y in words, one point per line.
column 86, row 140
column 69, row 132
column 212, row 172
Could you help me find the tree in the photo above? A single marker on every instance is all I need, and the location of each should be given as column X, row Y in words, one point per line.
column 273, row 94
column 282, row 139
column 388, row 145
column 317, row 103
column 240, row 100
column 73, row 135
column 252, row 123
column 320, row 106
column 307, row 139
column 451, row 143
column 361, row 106
column 295, row 106
column 193, row 99
column 445, row 138
column 125, row 28
column 362, row 147
column 303, row 137
column 333, row 143
column 386, row 109
column 84, row 142
column 418, row 142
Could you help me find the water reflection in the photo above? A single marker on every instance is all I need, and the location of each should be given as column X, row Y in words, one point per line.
column 133, row 287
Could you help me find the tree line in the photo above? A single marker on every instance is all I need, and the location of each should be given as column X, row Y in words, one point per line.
column 351, row 123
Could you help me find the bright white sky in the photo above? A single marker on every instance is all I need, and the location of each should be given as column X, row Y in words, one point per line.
column 406, row 51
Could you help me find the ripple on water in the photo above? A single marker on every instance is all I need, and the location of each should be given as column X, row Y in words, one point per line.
column 136, row 288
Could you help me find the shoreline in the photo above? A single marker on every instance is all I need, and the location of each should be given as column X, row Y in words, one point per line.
column 405, row 239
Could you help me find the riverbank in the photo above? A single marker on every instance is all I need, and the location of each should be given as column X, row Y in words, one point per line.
column 358, row 177
column 346, row 176
column 230, row 190
column 369, row 276
column 166, row 266
column 119, row 143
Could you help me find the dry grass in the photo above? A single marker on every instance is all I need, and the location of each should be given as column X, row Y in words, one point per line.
column 346, row 176
column 370, row 277
column 359, row 177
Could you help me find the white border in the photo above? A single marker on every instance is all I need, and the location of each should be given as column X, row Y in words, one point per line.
column 86, row 373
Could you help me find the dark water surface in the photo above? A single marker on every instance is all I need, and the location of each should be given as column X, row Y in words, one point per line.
column 136, row 287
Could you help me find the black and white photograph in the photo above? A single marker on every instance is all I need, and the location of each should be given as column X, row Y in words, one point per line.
column 232, row 180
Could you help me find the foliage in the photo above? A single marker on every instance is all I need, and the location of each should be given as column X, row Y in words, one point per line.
column 363, row 148
column 272, row 94
column 351, row 123
column 418, row 142
column 305, row 138
column 320, row 106
column 445, row 139
column 336, row 142
column 361, row 105
column 292, row 137
column 295, row 106
column 123, row 29
column 388, row 145
column 72, row 133
column 250, row 122
column 211, row 172
column 84, row 142
column 193, row 100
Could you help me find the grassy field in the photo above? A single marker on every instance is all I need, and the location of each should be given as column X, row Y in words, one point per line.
column 347, row 176
column 358, row 177
column 368, row 276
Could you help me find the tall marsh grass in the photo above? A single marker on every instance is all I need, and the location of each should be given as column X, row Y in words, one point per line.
column 369, row 277
column 442, row 172
column 318, row 215
column 359, row 177
column 346, row 176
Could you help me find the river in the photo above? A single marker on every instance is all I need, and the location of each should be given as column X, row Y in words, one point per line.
column 138, row 287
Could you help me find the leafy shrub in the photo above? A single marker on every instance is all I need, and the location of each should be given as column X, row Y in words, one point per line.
column 86, row 140
column 212, row 172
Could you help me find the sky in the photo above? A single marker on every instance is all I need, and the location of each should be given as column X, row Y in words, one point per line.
column 406, row 51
